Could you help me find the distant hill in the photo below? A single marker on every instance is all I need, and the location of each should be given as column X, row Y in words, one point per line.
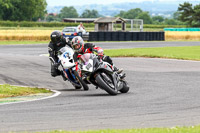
column 154, row 8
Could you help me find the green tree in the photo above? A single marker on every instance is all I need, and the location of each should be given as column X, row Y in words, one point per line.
column 5, row 9
column 196, row 16
column 133, row 13
column 176, row 15
column 171, row 21
column 146, row 17
column 186, row 13
column 68, row 12
column 189, row 14
column 130, row 14
column 159, row 19
column 136, row 13
column 21, row 10
column 1, row 11
column 50, row 18
column 90, row 14
column 121, row 14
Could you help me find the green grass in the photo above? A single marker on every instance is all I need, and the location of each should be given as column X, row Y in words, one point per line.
column 22, row 42
column 186, row 53
column 12, row 91
column 193, row 129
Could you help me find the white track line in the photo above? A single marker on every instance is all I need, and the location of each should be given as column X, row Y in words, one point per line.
column 44, row 55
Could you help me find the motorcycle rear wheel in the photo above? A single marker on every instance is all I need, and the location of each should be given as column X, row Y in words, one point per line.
column 125, row 88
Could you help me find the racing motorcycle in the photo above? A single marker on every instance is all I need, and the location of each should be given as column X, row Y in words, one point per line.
column 66, row 60
column 101, row 74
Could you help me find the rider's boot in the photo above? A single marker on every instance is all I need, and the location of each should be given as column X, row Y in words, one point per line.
column 117, row 70
column 54, row 71
column 122, row 76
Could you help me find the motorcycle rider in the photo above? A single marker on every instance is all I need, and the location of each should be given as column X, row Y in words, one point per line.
column 81, row 48
column 56, row 43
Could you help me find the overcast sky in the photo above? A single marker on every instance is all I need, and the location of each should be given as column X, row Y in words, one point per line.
column 85, row 2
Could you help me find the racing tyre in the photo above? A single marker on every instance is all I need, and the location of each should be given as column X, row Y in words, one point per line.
column 125, row 88
column 105, row 86
column 77, row 87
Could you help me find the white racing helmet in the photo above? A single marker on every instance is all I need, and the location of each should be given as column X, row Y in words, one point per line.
column 77, row 44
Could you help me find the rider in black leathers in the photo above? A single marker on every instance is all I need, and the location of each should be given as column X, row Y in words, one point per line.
column 56, row 43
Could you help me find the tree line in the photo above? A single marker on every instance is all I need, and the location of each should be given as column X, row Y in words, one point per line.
column 71, row 12
column 186, row 14
column 137, row 13
column 22, row 10
column 32, row 10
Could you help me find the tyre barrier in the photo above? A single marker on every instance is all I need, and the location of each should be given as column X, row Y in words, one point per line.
column 126, row 36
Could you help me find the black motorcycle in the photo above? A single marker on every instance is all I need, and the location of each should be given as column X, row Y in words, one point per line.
column 101, row 74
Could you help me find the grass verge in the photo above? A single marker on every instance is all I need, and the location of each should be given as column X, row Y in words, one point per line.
column 22, row 42
column 13, row 91
column 192, row 129
column 185, row 53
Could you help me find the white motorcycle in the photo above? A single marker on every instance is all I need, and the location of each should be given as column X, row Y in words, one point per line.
column 66, row 60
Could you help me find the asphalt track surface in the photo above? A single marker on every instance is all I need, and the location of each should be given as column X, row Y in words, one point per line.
column 163, row 93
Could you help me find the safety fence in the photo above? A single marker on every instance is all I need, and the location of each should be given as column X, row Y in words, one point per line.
column 126, row 36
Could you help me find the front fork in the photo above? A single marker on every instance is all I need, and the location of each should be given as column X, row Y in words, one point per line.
column 117, row 81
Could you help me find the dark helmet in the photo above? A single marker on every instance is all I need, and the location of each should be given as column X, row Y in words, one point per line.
column 56, row 37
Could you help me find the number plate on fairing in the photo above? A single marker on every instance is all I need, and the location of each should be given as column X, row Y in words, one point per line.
column 89, row 66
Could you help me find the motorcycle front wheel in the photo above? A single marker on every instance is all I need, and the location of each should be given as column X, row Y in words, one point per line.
column 103, row 83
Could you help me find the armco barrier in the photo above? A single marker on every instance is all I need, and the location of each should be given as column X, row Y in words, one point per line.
column 121, row 36
column 126, row 36
column 135, row 36
column 115, row 36
column 101, row 36
column 93, row 36
column 108, row 36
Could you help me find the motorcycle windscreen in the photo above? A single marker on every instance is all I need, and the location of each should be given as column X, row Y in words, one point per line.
column 85, row 58
column 62, row 50
column 87, row 62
